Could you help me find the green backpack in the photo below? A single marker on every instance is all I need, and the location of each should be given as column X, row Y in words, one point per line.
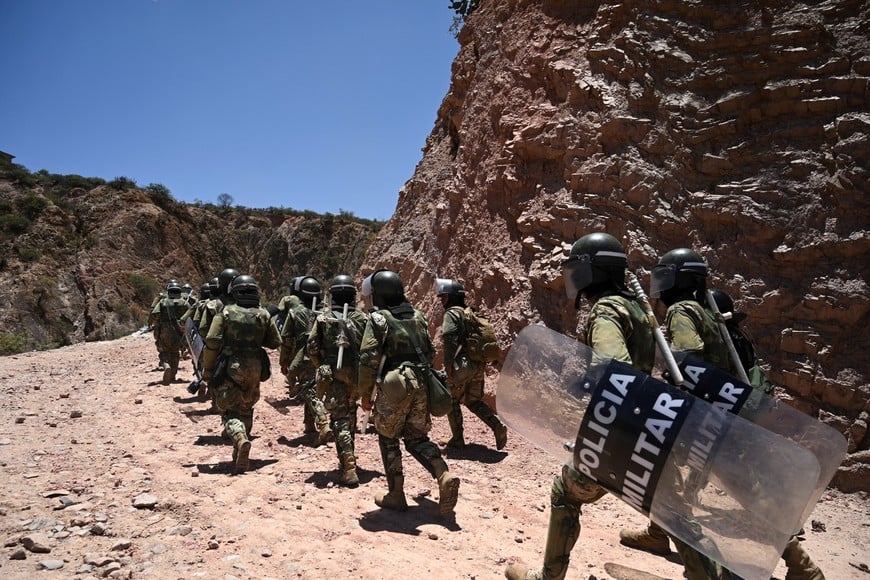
column 481, row 343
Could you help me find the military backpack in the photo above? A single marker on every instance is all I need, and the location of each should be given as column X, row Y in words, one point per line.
column 481, row 343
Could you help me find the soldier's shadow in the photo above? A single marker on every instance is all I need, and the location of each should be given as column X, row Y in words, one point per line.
column 228, row 468
column 475, row 452
column 407, row 522
column 306, row 439
column 212, row 440
column 322, row 479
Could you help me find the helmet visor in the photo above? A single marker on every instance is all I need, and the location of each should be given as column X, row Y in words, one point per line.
column 367, row 285
column 443, row 286
column 662, row 278
column 577, row 272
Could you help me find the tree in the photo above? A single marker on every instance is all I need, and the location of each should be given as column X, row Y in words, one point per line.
column 225, row 200
column 464, row 7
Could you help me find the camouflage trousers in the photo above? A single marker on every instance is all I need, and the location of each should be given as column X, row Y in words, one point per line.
column 401, row 410
column 572, row 489
column 337, row 390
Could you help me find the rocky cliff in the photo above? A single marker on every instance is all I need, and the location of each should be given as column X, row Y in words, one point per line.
column 84, row 263
column 739, row 129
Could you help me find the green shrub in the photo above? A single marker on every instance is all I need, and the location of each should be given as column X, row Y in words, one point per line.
column 31, row 205
column 14, row 223
column 12, row 343
column 29, row 254
column 145, row 288
column 122, row 183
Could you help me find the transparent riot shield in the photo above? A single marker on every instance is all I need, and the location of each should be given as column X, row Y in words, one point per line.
column 732, row 490
column 194, row 343
column 720, row 389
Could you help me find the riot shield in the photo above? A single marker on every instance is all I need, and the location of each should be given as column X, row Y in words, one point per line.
column 195, row 344
column 660, row 449
column 720, row 389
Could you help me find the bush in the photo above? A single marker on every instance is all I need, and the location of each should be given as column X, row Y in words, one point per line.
column 145, row 288
column 29, row 254
column 31, row 205
column 12, row 343
column 122, row 183
column 158, row 190
column 14, row 223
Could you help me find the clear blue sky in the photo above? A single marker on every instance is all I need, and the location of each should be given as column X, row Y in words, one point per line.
column 307, row 105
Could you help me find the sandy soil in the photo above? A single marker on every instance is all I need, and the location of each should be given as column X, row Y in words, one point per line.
column 105, row 472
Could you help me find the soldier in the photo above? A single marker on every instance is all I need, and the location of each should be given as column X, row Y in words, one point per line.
column 234, row 362
column 617, row 327
column 295, row 363
column 219, row 299
column 680, row 281
column 157, row 299
column 168, row 337
column 466, row 376
column 194, row 314
column 333, row 346
column 395, row 349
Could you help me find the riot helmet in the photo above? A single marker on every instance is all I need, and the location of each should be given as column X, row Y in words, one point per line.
column 307, row 289
column 205, row 291
column 679, row 274
column 385, row 287
column 596, row 261
column 725, row 306
column 342, row 290
column 226, row 276
column 450, row 291
column 187, row 288
column 173, row 289
column 245, row 291
column 214, row 288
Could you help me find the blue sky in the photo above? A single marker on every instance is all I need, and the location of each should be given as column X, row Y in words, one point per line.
column 322, row 106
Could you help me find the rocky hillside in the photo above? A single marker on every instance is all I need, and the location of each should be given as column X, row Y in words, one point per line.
column 738, row 129
column 81, row 259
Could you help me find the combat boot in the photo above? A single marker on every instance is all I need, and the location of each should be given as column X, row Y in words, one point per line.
column 241, row 452
column 457, row 436
column 562, row 533
column 798, row 562
column 448, row 493
column 394, row 499
column 168, row 375
column 349, row 477
column 492, row 421
column 653, row 539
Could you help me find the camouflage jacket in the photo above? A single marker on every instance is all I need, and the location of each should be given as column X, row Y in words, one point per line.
column 326, row 337
column 166, row 313
column 294, row 335
column 453, row 333
column 693, row 329
column 389, row 337
column 618, row 328
column 238, row 332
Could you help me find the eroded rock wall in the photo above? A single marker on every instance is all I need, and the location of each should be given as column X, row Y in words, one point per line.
column 738, row 129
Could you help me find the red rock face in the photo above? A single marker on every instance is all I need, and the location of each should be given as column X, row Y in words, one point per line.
column 739, row 131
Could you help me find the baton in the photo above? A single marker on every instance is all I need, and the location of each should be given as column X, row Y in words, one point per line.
column 661, row 342
column 342, row 338
column 726, row 336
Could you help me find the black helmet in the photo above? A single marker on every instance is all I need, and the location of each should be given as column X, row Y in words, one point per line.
column 594, row 259
column 214, row 287
column 306, row 287
column 385, row 287
column 342, row 290
column 173, row 289
column 226, row 276
column 452, row 289
column 245, row 291
column 205, row 291
column 682, row 270
column 172, row 281
column 724, row 303
column 187, row 288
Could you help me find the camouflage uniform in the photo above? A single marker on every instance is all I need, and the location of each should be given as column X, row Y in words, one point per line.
column 617, row 328
column 693, row 329
column 401, row 409
column 298, row 369
column 236, row 337
column 466, row 379
column 168, row 336
column 337, row 388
